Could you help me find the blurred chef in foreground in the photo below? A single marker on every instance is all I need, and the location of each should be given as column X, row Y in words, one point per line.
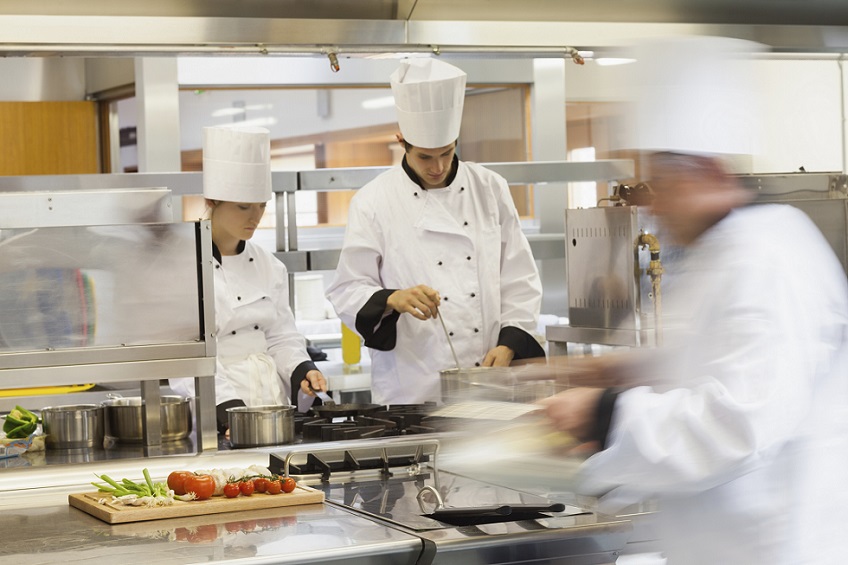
column 435, row 235
column 738, row 424
column 262, row 358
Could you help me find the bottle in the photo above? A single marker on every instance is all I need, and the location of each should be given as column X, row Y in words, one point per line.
column 351, row 351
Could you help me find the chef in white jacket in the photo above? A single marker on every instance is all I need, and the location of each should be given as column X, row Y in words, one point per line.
column 738, row 425
column 435, row 234
column 262, row 358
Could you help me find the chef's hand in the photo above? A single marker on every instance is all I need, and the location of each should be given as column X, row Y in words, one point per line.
column 419, row 301
column 574, row 411
column 316, row 380
column 500, row 356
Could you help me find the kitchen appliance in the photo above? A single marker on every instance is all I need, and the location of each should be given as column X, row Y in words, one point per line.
column 610, row 297
column 124, row 422
column 257, row 426
column 374, row 422
column 397, row 482
column 73, row 426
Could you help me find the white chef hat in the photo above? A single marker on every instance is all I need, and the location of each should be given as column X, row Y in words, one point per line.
column 237, row 164
column 695, row 95
column 429, row 95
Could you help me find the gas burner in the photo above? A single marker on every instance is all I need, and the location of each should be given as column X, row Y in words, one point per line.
column 402, row 455
column 390, row 420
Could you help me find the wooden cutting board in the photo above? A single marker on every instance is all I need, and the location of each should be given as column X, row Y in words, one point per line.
column 118, row 514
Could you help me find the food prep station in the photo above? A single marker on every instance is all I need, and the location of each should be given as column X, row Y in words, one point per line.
column 372, row 468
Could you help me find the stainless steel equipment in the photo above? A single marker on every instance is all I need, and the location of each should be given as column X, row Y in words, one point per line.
column 256, row 426
column 124, row 421
column 73, row 426
column 610, row 300
column 119, row 253
column 524, row 383
column 388, row 481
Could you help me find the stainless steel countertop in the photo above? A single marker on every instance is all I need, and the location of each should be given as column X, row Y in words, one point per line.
column 40, row 527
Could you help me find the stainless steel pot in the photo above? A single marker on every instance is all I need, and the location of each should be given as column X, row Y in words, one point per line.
column 73, row 426
column 256, row 426
column 523, row 383
column 124, row 418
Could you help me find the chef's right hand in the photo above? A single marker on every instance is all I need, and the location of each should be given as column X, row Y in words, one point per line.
column 419, row 301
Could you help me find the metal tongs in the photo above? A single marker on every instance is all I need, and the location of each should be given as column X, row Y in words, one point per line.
column 447, row 335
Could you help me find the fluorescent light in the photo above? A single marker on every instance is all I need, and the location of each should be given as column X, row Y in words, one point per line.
column 612, row 61
column 397, row 55
column 377, row 103
column 223, row 112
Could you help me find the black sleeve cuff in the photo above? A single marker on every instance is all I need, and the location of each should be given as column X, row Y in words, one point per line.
column 523, row 345
column 603, row 415
column 297, row 377
column 369, row 316
column 221, row 414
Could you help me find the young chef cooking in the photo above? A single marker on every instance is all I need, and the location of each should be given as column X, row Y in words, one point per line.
column 435, row 236
column 262, row 359
column 742, row 434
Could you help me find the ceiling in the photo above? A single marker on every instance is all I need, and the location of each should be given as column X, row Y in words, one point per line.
column 760, row 12
column 87, row 27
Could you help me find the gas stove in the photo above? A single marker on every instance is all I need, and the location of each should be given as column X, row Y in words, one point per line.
column 386, row 421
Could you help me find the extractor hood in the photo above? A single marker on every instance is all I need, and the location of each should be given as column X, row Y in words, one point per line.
column 309, row 27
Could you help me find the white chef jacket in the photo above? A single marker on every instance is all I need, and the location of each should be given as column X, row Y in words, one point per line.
column 464, row 241
column 259, row 346
column 745, row 438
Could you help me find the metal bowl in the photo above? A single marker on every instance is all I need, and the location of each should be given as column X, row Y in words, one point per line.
column 73, row 426
column 124, row 418
column 257, row 426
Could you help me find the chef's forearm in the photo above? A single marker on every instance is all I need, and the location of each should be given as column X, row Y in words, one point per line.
column 522, row 344
column 297, row 377
column 603, row 416
column 378, row 329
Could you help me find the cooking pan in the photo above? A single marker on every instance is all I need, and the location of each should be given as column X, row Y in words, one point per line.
column 343, row 410
column 493, row 514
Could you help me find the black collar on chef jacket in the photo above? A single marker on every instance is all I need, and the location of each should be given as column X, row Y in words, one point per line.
column 216, row 253
column 414, row 178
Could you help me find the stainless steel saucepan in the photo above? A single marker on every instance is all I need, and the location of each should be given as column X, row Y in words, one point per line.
column 257, row 426
column 124, row 418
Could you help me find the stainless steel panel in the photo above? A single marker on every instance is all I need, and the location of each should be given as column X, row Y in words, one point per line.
column 84, row 208
column 338, row 179
column 607, row 336
column 831, row 217
column 324, row 259
column 295, row 261
column 534, row 29
column 531, row 172
column 540, row 172
column 752, row 11
column 101, row 286
column 178, row 183
column 89, row 355
column 603, row 270
column 796, row 186
column 107, row 372
column 190, row 34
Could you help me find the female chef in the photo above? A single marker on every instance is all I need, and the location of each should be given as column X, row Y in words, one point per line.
column 262, row 358
column 435, row 235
